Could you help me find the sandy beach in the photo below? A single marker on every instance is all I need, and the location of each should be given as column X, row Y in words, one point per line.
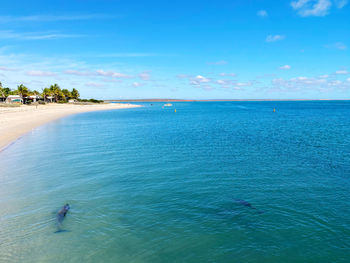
column 16, row 121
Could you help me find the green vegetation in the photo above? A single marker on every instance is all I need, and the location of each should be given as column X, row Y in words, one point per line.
column 4, row 92
column 91, row 100
column 52, row 94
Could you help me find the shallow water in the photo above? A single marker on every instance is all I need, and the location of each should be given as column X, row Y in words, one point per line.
column 152, row 185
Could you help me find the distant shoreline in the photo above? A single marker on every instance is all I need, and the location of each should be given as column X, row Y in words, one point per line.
column 219, row 100
column 17, row 121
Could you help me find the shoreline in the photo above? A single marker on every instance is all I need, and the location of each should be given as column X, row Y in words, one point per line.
column 221, row 100
column 17, row 121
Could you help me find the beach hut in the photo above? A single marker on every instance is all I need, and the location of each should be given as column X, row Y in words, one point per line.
column 72, row 101
column 14, row 99
column 34, row 98
column 50, row 98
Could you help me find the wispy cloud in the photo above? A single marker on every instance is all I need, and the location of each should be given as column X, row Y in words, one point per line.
column 145, row 75
column 286, row 67
column 136, row 84
column 127, row 55
column 99, row 72
column 301, row 84
column 9, row 34
column 274, row 38
column 206, row 83
column 183, row 76
column 244, row 84
column 262, row 13
column 94, row 84
column 316, row 7
column 113, row 74
column 53, row 18
column 223, row 74
column 338, row 45
column 342, row 72
column 39, row 73
column 341, row 3
column 312, row 7
column 79, row 73
column 8, row 69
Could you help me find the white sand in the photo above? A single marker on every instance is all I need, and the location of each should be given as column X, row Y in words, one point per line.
column 16, row 121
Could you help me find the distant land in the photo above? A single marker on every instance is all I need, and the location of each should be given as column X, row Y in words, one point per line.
column 187, row 100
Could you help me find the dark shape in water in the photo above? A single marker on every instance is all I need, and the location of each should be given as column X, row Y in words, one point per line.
column 247, row 204
column 60, row 217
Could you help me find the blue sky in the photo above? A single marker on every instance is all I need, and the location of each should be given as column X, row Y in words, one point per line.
column 238, row 49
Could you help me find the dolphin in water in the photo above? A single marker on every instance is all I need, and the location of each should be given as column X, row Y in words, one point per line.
column 247, row 204
column 60, row 217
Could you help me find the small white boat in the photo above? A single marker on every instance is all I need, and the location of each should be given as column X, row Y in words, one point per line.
column 168, row 105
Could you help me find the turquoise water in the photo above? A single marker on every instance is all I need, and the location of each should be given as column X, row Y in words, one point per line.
column 152, row 185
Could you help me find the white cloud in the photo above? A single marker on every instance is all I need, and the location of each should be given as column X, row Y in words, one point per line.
column 324, row 76
column 316, row 7
column 286, row 67
column 137, row 84
column 335, row 82
column 101, row 72
column 39, row 73
column 51, row 18
column 244, row 84
column 262, row 13
column 342, row 72
column 301, row 84
column 348, row 79
column 79, row 73
column 71, row 73
column 274, row 38
column 9, row 34
column 7, row 69
column 227, row 74
column 199, row 80
column 222, row 82
column 94, row 84
column 312, row 7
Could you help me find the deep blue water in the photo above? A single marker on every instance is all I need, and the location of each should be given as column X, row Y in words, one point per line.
column 151, row 185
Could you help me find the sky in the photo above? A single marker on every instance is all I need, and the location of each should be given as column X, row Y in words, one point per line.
column 184, row 49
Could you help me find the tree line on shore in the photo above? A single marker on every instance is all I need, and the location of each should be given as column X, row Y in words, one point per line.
column 53, row 91
column 54, row 94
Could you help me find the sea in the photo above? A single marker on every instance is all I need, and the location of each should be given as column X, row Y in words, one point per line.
column 243, row 182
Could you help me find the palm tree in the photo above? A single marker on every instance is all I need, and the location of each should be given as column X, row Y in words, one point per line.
column 56, row 92
column 75, row 94
column 46, row 92
column 23, row 91
column 2, row 92
column 35, row 92
column 67, row 94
